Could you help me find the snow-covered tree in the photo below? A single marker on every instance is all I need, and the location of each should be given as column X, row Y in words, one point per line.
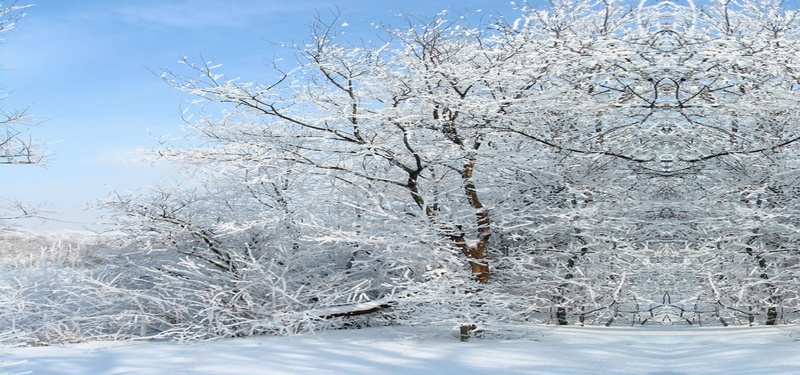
column 15, row 147
column 594, row 162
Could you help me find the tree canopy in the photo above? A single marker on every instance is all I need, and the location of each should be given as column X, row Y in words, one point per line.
column 596, row 162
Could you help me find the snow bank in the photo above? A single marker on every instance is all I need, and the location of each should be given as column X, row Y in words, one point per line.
column 552, row 350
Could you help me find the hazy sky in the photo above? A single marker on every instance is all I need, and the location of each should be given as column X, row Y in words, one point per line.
column 84, row 68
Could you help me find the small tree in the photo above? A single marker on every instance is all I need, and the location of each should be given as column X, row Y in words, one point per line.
column 15, row 146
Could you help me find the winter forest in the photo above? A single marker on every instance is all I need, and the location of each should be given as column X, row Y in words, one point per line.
column 590, row 163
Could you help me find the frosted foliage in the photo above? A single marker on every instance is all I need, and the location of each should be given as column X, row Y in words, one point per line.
column 16, row 146
column 591, row 163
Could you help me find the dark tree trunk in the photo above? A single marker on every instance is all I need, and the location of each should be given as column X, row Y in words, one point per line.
column 772, row 316
column 561, row 316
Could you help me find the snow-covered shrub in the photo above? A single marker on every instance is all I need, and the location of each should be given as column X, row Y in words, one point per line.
column 58, row 298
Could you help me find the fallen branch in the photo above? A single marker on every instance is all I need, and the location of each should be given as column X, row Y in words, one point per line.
column 360, row 308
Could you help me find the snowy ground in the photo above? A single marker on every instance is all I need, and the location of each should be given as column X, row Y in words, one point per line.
column 554, row 350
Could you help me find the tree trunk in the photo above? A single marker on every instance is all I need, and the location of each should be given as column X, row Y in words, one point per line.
column 772, row 316
column 561, row 316
column 772, row 312
column 465, row 331
column 561, row 312
column 477, row 254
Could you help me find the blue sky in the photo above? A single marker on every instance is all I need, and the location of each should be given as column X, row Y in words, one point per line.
column 83, row 67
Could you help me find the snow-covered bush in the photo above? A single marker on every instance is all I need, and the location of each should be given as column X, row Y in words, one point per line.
column 69, row 295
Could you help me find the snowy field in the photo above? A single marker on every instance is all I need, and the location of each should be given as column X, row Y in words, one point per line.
column 551, row 350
